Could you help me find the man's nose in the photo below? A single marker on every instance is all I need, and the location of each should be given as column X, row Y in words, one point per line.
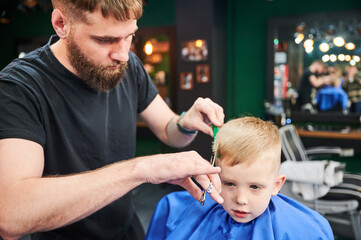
column 120, row 51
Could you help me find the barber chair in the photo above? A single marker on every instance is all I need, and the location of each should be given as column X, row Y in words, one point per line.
column 341, row 206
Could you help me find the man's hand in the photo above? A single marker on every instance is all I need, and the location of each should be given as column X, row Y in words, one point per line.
column 179, row 168
column 201, row 115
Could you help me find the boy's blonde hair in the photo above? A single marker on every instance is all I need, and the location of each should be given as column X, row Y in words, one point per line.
column 120, row 9
column 243, row 139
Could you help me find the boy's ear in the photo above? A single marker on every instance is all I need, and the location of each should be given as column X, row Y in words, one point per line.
column 60, row 23
column 280, row 180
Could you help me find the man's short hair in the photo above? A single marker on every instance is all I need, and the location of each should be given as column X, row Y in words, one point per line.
column 121, row 10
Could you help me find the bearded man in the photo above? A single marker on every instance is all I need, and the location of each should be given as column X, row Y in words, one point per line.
column 68, row 130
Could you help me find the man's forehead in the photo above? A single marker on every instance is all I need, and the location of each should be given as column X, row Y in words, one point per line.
column 96, row 16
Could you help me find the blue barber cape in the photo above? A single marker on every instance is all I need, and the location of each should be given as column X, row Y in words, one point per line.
column 179, row 216
column 328, row 97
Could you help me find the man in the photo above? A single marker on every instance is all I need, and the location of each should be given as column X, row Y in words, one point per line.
column 68, row 118
column 313, row 78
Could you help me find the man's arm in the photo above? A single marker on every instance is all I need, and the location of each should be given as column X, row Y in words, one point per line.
column 162, row 120
column 319, row 81
column 31, row 203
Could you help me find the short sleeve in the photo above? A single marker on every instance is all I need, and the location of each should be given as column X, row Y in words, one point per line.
column 146, row 89
column 20, row 113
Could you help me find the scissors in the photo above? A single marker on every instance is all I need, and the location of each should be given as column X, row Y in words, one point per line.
column 213, row 160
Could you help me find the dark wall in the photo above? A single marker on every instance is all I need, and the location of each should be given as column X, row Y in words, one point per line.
column 158, row 13
column 32, row 25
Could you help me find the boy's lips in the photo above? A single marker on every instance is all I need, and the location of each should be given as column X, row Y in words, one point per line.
column 240, row 214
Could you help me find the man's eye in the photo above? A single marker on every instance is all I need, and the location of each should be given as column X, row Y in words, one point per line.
column 105, row 41
column 254, row 187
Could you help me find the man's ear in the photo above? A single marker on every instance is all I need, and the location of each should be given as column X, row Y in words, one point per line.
column 280, row 180
column 60, row 23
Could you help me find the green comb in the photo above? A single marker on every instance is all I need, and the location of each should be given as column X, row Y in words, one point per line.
column 213, row 159
column 215, row 131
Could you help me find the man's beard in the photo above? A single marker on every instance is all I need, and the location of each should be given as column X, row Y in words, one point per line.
column 98, row 77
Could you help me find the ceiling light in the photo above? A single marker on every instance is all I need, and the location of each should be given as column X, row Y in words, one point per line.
column 350, row 46
column 341, row 57
column 356, row 58
column 299, row 38
column 308, row 43
column 325, row 58
column 309, row 49
column 324, row 47
column 339, row 41
column 333, row 58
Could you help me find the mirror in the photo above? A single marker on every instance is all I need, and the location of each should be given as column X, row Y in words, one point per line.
column 331, row 40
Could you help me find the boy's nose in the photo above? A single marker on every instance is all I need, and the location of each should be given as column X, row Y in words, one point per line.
column 241, row 198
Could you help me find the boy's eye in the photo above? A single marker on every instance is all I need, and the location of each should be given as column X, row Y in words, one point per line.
column 254, row 187
column 228, row 184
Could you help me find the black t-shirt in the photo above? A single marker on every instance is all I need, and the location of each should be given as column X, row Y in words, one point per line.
column 305, row 89
column 79, row 128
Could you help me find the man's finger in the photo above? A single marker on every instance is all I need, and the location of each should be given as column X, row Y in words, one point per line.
column 192, row 188
column 205, row 181
column 216, row 182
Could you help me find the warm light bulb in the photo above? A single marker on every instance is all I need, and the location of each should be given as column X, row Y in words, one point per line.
column 299, row 38
column 148, row 48
column 325, row 58
column 341, row 57
column 199, row 43
column 333, row 58
column 339, row 41
column 350, row 46
column 356, row 58
column 347, row 58
column 309, row 49
column 308, row 43
column 352, row 63
column 324, row 47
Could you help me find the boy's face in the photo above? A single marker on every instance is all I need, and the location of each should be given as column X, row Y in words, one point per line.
column 247, row 189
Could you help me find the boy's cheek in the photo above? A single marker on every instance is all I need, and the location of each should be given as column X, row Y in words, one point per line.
column 226, row 194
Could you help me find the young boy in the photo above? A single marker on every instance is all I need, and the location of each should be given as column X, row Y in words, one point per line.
column 248, row 151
